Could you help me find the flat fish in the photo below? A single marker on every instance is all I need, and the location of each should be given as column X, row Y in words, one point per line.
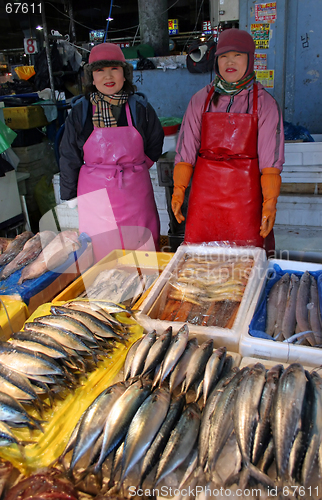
column 14, row 247
column 29, row 253
column 53, row 255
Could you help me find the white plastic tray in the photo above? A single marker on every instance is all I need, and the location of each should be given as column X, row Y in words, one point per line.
column 279, row 351
column 222, row 336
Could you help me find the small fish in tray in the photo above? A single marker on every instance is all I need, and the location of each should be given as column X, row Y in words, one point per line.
column 119, row 286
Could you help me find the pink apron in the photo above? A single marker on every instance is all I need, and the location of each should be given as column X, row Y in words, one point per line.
column 116, row 205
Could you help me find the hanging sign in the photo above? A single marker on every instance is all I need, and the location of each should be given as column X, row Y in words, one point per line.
column 260, row 61
column 266, row 78
column 206, row 27
column 173, row 26
column 260, row 33
column 30, row 45
column 265, row 12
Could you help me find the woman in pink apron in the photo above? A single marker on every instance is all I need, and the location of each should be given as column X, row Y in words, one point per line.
column 110, row 142
column 231, row 144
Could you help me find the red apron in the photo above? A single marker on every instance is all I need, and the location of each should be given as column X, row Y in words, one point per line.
column 225, row 202
column 116, row 205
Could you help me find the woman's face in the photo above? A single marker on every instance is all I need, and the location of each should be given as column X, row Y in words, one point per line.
column 109, row 80
column 232, row 66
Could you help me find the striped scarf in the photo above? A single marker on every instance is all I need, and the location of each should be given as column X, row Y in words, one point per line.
column 224, row 87
column 103, row 116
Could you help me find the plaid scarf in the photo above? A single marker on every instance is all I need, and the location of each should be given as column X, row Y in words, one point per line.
column 103, row 116
column 224, row 87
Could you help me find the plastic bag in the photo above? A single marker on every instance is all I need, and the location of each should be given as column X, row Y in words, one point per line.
column 201, row 57
column 144, row 63
column 25, row 72
column 296, row 132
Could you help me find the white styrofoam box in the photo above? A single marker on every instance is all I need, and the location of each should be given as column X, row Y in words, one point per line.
column 299, row 210
column 164, row 222
column 160, row 200
column 302, row 174
column 303, row 153
column 170, row 142
column 275, row 350
column 222, row 336
column 67, row 217
column 56, row 184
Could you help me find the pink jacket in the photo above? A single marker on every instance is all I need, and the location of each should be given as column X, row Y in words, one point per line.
column 270, row 125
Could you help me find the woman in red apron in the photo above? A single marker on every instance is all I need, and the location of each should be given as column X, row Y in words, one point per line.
column 106, row 156
column 231, row 143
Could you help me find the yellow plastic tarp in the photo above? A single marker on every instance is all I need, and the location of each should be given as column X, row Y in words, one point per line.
column 62, row 418
column 13, row 314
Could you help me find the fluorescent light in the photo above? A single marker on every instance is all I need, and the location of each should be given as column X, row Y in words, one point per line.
column 39, row 28
column 110, row 19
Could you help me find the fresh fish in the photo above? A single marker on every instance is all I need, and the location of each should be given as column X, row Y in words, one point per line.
column 27, row 362
column 129, row 358
column 69, row 325
column 14, row 414
column 179, row 372
column 36, row 347
column 221, row 423
column 143, row 428
column 286, row 412
column 157, row 351
column 97, row 327
column 116, row 464
column 142, row 352
column 213, row 370
column 6, row 436
column 315, row 435
column 4, row 242
column 175, row 351
column 95, row 310
column 111, row 307
column 157, row 447
column 181, row 442
column 120, row 417
column 303, row 298
column 245, row 416
column 52, row 256
column 93, row 420
column 263, row 428
column 197, row 364
column 65, row 338
column 289, row 319
column 314, row 314
column 191, row 467
column 14, row 247
column 281, row 303
column 271, row 313
column 268, row 457
column 29, row 253
column 17, row 385
column 212, row 400
column 41, row 338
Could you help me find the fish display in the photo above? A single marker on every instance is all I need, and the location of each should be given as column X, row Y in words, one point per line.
column 293, row 310
column 14, row 247
column 29, row 253
column 119, row 286
column 50, row 355
column 53, row 255
column 151, row 430
column 206, row 292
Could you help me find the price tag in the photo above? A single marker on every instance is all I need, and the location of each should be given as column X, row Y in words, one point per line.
column 30, row 45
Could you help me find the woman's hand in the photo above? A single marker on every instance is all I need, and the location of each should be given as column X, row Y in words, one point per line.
column 181, row 177
column 176, row 209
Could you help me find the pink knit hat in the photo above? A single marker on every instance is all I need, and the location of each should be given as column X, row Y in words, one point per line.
column 237, row 40
column 106, row 52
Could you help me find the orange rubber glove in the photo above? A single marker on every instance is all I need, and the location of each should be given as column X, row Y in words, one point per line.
column 271, row 186
column 181, row 177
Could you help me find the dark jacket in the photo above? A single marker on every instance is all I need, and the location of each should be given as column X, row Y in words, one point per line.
column 78, row 128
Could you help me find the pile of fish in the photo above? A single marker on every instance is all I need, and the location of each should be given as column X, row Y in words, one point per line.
column 37, row 254
column 143, row 421
column 206, row 292
column 43, row 486
column 119, row 286
column 293, row 310
column 50, row 355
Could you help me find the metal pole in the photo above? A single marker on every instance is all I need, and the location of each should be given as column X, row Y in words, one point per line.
column 72, row 24
column 50, row 69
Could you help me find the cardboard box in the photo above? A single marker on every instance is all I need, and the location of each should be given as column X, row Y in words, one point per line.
column 229, row 337
column 275, row 350
column 24, row 117
column 129, row 260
